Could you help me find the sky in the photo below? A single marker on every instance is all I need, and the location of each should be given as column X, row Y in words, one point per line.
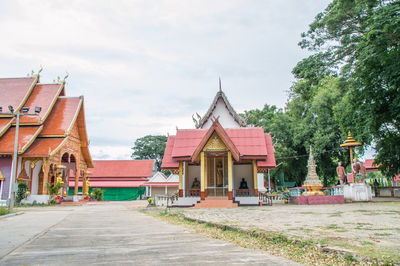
column 144, row 67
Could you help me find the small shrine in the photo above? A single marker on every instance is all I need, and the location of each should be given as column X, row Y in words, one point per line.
column 312, row 183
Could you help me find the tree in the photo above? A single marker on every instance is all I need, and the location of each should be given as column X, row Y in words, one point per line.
column 150, row 147
column 361, row 38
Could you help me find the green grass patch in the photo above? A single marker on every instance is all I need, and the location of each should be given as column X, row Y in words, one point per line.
column 4, row 211
column 336, row 214
column 383, row 234
column 332, row 227
column 303, row 250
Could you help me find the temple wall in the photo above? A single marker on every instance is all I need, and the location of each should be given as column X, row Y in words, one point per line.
column 242, row 171
column 35, row 179
column 225, row 118
column 5, row 168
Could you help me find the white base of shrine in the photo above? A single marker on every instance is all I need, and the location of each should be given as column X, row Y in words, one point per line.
column 357, row 192
column 38, row 198
column 3, row 203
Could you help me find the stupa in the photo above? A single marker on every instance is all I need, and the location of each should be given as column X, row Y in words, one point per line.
column 312, row 183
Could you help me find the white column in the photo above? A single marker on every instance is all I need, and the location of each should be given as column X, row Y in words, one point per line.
column 184, row 179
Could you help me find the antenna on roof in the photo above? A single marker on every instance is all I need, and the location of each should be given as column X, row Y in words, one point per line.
column 220, row 86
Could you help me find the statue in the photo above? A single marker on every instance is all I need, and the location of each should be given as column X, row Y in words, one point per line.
column 358, row 177
column 341, row 172
column 196, row 184
column 243, row 184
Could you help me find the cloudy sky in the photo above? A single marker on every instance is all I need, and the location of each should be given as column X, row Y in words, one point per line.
column 144, row 67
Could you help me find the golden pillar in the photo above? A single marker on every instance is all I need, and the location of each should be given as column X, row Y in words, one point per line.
column 255, row 182
column 203, row 175
column 230, row 176
column 180, row 179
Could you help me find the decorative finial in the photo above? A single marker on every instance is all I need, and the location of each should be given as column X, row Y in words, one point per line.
column 220, row 86
column 66, row 76
column 40, row 70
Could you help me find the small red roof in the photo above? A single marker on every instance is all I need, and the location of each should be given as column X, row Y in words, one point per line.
column 168, row 162
column 370, row 165
column 128, row 168
column 110, row 183
column 270, row 161
column 45, row 96
column 62, row 116
column 20, row 88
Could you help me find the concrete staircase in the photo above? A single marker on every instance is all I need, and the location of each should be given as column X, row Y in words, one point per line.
column 220, row 202
column 247, row 201
column 186, row 201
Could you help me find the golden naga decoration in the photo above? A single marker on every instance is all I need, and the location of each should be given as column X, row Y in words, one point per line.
column 1, row 177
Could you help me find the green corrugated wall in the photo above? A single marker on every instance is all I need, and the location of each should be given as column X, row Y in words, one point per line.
column 116, row 193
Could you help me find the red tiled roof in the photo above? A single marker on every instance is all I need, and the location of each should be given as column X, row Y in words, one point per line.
column 168, row 162
column 62, row 116
column 370, row 165
column 270, row 161
column 128, row 168
column 20, row 88
column 252, row 143
column 43, row 146
column 25, row 138
column 5, row 123
column 110, row 183
column 186, row 142
column 43, row 95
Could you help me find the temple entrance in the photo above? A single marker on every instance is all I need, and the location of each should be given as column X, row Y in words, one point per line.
column 217, row 176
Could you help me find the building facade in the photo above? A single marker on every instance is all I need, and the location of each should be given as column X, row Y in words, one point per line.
column 220, row 158
column 54, row 141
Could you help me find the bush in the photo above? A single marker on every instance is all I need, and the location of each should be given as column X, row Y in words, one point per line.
column 21, row 192
column 3, row 211
column 326, row 192
column 98, row 193
column 150, row 201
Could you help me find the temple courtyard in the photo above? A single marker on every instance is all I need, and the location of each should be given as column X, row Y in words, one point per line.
column 112, row 233
column 121, row 233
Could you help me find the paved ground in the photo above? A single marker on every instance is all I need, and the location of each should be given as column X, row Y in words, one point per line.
column 360, row 227
column 111, row 233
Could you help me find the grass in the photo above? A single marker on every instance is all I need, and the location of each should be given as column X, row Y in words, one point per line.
column 298, row 249
column 336, row 214
column 3, row 211
column 383, row 234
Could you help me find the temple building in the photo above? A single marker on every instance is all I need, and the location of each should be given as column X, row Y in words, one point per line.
column 52, row 139
column 221, row 162
column 120, row 179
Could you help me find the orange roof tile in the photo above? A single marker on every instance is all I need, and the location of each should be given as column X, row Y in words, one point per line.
column 15, row 91
column 128, row 168
column 62, row 116
column 45, row 96
column 26, row 136
column 42, row 147
column 168, row 162
column 5, row 123
column 270, row 161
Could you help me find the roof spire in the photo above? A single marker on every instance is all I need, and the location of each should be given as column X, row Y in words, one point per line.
column 220, row 87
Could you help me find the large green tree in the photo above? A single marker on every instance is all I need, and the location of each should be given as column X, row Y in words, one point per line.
column 150, row 147
column 361, row 39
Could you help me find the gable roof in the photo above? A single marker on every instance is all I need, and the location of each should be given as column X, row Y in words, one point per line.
column 221, row 95
column 157, row 178
column 173, row 178
column 45, row 96
column 216, row 127
column 250, row 142
column 123, row 169
column 21, row 89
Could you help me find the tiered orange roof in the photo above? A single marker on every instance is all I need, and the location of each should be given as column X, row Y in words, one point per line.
column 41, row 135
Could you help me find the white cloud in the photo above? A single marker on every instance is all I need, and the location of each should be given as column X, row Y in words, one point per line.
column 145, row 67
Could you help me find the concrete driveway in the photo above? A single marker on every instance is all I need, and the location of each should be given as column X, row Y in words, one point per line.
column 112, row 233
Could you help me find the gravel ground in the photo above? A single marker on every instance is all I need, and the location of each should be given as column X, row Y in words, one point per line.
column 371, row 229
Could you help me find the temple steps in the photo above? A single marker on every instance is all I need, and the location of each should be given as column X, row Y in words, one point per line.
column 218, row 202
